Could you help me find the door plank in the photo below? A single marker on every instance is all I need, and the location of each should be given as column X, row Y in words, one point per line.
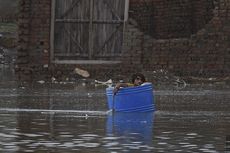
column 70, row 9
column 91, row 30
column 109, row 39
column 113, row 11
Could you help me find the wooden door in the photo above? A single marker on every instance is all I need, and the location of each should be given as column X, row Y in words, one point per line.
column 87, row 31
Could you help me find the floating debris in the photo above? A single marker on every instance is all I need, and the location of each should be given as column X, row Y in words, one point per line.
column 107, row 83
column 162, row 77
column 82, row 72
column 41, row 81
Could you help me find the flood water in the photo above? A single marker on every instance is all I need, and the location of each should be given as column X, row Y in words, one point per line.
column 73, row 117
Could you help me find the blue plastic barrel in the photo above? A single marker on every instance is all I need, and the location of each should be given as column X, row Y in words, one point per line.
column 131, row 99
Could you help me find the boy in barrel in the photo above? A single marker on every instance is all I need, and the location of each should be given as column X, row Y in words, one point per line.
column 137, row 80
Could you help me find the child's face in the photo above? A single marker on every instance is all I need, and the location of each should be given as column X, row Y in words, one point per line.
column 138, row 81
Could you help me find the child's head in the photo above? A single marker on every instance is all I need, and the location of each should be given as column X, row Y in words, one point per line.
column 138, row 79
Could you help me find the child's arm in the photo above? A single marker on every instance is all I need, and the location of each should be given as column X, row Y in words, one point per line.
column 118, row 86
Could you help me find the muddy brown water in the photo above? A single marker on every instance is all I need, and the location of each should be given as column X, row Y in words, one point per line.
column 73, row 117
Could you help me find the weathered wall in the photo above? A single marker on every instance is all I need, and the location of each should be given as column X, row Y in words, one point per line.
column 33, row 38
column 196, row 43
column 205, row 53
column 164, row 19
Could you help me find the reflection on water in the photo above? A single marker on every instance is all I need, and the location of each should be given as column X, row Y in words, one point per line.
column 122, row 124
column 34, row 132
column 134, row 130
column 146, row 132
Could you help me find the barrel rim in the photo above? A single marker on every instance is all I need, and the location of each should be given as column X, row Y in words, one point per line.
column 130, row 90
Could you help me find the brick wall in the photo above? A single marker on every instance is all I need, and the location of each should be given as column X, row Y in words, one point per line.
column 33, row 38
column 185, row 37
column 205, row 53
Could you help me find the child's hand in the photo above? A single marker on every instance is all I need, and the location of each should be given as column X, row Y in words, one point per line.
column 115, row 90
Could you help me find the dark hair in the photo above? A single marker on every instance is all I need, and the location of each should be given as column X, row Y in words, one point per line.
column 134, row 76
